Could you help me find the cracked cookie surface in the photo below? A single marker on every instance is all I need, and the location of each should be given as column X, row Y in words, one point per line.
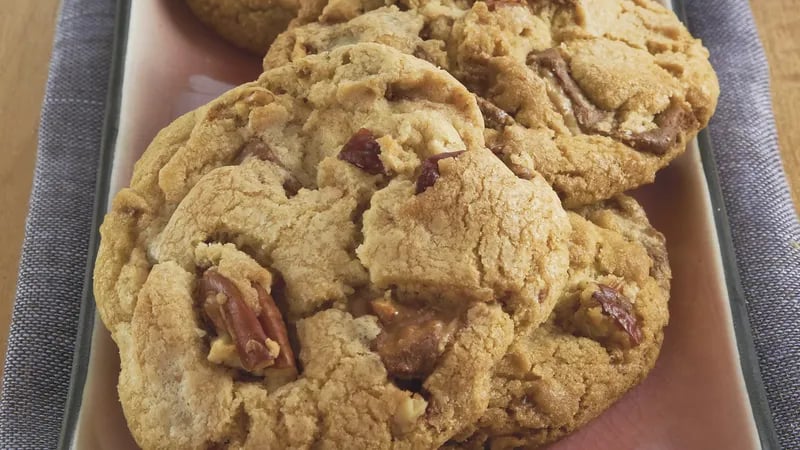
column 597, row 96
column 602, row 338
column 245, row 277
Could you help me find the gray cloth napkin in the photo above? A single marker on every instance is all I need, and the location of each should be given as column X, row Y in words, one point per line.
column 43, row 331
column 764, row 224
column 45, row 319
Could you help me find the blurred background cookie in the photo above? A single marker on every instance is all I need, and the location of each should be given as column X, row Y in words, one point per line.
column 248, row 24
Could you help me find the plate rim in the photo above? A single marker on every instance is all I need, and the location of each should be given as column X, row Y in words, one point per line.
column 86, row 317
column 745, row 345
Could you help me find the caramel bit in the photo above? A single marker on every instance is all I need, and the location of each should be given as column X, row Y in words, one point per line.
column 493, row 117
column 620, row 309
column 412, row 339
column 257, row 149
column 363, row 151
column 385, row 309
column 430, row 170
column 586, row 113
column 254, row 336
column 658, row 141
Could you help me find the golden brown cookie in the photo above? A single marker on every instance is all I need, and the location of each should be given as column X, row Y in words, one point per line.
column 327, row 257
column 597, row 96
column 602, row 339
column 249, row 24
column 468, row 230
column 298, row 117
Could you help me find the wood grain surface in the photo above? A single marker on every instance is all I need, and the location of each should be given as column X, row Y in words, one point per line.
column 779, row 27
column 26, row 31
column 26, row 37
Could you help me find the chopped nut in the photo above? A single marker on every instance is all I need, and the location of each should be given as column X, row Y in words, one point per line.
column 212, row 310
column 259, row 97
column 493, row 117
column 260, row 341
column 236, row 281
column 223, row 351
column 363, row 151
column 520, row 171
column 239, row 321
column 620, row 308
column 494, row 4
column 240, row 110
column 602, row 313
column 409, row 409
column 275, row 328
column 430, row 170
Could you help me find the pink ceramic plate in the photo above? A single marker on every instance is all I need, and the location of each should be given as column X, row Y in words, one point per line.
column 698, row 396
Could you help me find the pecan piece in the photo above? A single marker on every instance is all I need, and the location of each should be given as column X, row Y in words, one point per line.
column 275, row 328
column 620, row 309
column 363, row 151
column 239, row 321
column 430, row 170
column 212, row 307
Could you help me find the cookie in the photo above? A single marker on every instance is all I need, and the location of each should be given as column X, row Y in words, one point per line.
column 602, row 338
column 296, row 116
column 478, row 234
column 326, row 257
column 597, row 96
column 248, row 24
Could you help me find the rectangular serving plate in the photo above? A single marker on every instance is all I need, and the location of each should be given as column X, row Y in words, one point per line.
column 705, row 391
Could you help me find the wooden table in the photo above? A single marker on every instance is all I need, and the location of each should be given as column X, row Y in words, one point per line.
column 26, row 30
column 779, row 26
column 26, row 36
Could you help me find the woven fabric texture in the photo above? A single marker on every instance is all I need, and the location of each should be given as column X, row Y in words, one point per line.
column 45, row 318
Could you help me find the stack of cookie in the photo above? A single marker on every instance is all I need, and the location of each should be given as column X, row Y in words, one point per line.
column 409, row 232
